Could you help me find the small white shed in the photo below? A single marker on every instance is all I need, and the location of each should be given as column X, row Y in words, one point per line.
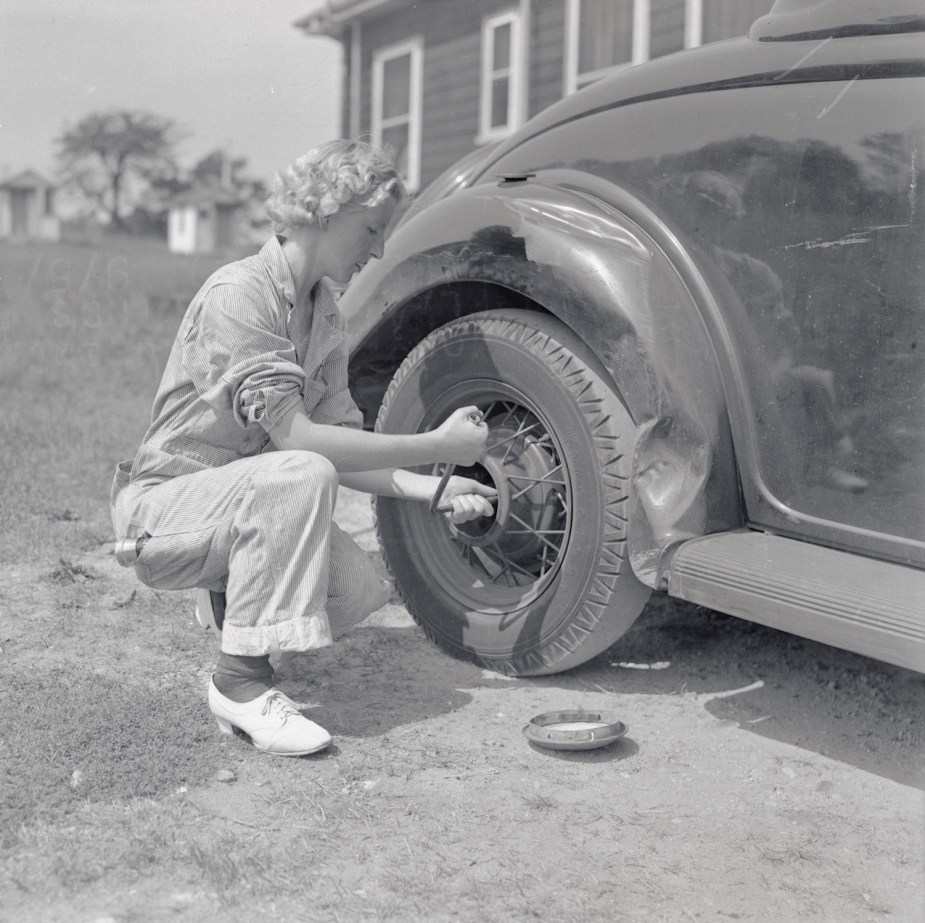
column 207, row 219
column 27, row 208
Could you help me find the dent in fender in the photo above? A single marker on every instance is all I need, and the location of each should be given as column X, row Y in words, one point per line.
column 673, row 454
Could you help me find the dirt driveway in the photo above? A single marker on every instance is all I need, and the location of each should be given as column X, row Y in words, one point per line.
column 762, row 778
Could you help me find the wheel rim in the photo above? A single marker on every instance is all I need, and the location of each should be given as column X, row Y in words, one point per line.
column 496, row 566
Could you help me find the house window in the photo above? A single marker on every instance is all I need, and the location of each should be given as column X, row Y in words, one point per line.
column 601, row 36
column 396, row 115
column 502, row 76
column 598, row 39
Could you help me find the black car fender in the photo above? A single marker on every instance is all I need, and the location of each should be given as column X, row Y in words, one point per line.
column 547, row 244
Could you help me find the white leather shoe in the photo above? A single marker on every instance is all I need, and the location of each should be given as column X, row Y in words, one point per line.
column 272, row 721
column 210, row 609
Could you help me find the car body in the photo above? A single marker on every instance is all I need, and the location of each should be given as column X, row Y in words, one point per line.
column 689, row 299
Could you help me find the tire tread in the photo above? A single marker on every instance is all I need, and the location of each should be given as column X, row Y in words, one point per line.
column 558, row 349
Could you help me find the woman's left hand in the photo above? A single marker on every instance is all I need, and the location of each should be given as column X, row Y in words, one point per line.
column 470, row 499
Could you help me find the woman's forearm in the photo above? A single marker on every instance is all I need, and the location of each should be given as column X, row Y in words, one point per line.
column 466, row 499
column 351, row 450
column 392, row 482
column 456, row 440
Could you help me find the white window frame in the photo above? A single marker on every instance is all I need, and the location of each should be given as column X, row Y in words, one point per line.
column 642, row 32
column 693, row 23
column 514, row 73
column 414, row 48
column 573, row 80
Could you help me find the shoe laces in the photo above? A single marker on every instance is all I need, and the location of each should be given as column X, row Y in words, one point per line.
column 282, row 705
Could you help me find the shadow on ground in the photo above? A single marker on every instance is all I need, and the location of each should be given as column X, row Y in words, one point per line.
column 838, row 704
column 376, row 679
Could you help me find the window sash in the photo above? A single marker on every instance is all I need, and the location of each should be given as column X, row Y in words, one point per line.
column 502, row 81
column 640, row 27
column 393, row 123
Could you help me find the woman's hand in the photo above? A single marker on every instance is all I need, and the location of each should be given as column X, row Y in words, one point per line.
column 461, row 439
column 470, row 499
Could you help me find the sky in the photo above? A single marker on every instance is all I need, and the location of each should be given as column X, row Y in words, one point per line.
column 233, row 74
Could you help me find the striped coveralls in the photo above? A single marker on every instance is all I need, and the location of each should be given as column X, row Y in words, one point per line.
column 221, row 510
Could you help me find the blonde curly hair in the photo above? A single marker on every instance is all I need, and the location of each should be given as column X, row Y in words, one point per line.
column 332, row 176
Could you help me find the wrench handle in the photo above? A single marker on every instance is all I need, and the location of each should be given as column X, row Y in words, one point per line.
column 438, row 493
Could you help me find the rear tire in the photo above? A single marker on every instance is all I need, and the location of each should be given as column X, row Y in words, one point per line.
column 546, row 584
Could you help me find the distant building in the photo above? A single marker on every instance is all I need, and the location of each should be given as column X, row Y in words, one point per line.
column 437, row 78
column 27, row 208
column 206, row 219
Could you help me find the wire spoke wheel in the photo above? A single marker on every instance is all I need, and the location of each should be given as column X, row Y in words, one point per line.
column 543, row 584
column 497, row 563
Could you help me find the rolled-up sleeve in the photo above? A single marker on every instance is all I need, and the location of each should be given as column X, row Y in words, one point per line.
column 327, row 397
column 237, row 361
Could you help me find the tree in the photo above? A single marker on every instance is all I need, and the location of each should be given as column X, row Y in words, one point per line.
column 112, row 157
column 220, row 168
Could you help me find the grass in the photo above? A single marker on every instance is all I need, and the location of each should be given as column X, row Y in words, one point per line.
column 111, row 740
column 84, row 334
column 86, row 734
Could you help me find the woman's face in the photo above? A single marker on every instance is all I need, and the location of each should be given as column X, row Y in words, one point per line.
column 355, row 236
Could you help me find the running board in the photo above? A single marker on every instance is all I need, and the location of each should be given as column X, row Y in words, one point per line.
column 870, row 607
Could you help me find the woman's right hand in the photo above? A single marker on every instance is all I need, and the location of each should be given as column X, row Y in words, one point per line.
column 461, row 440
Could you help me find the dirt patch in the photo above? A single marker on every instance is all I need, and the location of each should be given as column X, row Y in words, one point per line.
column 762, row 777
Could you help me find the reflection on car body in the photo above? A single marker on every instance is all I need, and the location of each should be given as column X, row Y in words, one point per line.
column 727, row 243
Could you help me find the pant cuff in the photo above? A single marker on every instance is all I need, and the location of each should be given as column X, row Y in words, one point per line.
column 301, row 634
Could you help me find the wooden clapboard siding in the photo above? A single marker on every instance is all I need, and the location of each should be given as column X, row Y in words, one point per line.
column 451, row 100
column 547, row 54
column 666, row 27
column 731, row 18
column 452, row 36
column 389, row 29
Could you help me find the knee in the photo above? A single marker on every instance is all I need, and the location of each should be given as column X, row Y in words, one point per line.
column 309, row 470
column 367, row 594
column 294, row 480
column 355, row 587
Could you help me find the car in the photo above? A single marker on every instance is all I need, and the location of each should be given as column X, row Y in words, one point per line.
column 688, row 300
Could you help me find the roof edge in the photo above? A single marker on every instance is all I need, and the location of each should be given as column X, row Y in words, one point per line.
column 22, row 179
column 335, row 14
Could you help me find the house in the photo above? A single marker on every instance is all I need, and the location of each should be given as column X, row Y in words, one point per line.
column 27, row 208
column 206, row 219
column 437, row 78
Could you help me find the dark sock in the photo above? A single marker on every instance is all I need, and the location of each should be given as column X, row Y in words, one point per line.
column 218, row 608
column 242, row 678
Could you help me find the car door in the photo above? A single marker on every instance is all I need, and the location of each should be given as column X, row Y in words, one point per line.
column 798, row 190
column 823, row 242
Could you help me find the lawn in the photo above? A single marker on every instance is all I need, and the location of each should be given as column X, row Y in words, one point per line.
column 84, row 333
column 91, row 731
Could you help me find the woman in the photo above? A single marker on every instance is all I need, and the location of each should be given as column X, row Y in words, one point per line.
column 253, row 428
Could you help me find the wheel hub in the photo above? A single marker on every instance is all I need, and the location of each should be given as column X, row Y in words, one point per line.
column 523, row 468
